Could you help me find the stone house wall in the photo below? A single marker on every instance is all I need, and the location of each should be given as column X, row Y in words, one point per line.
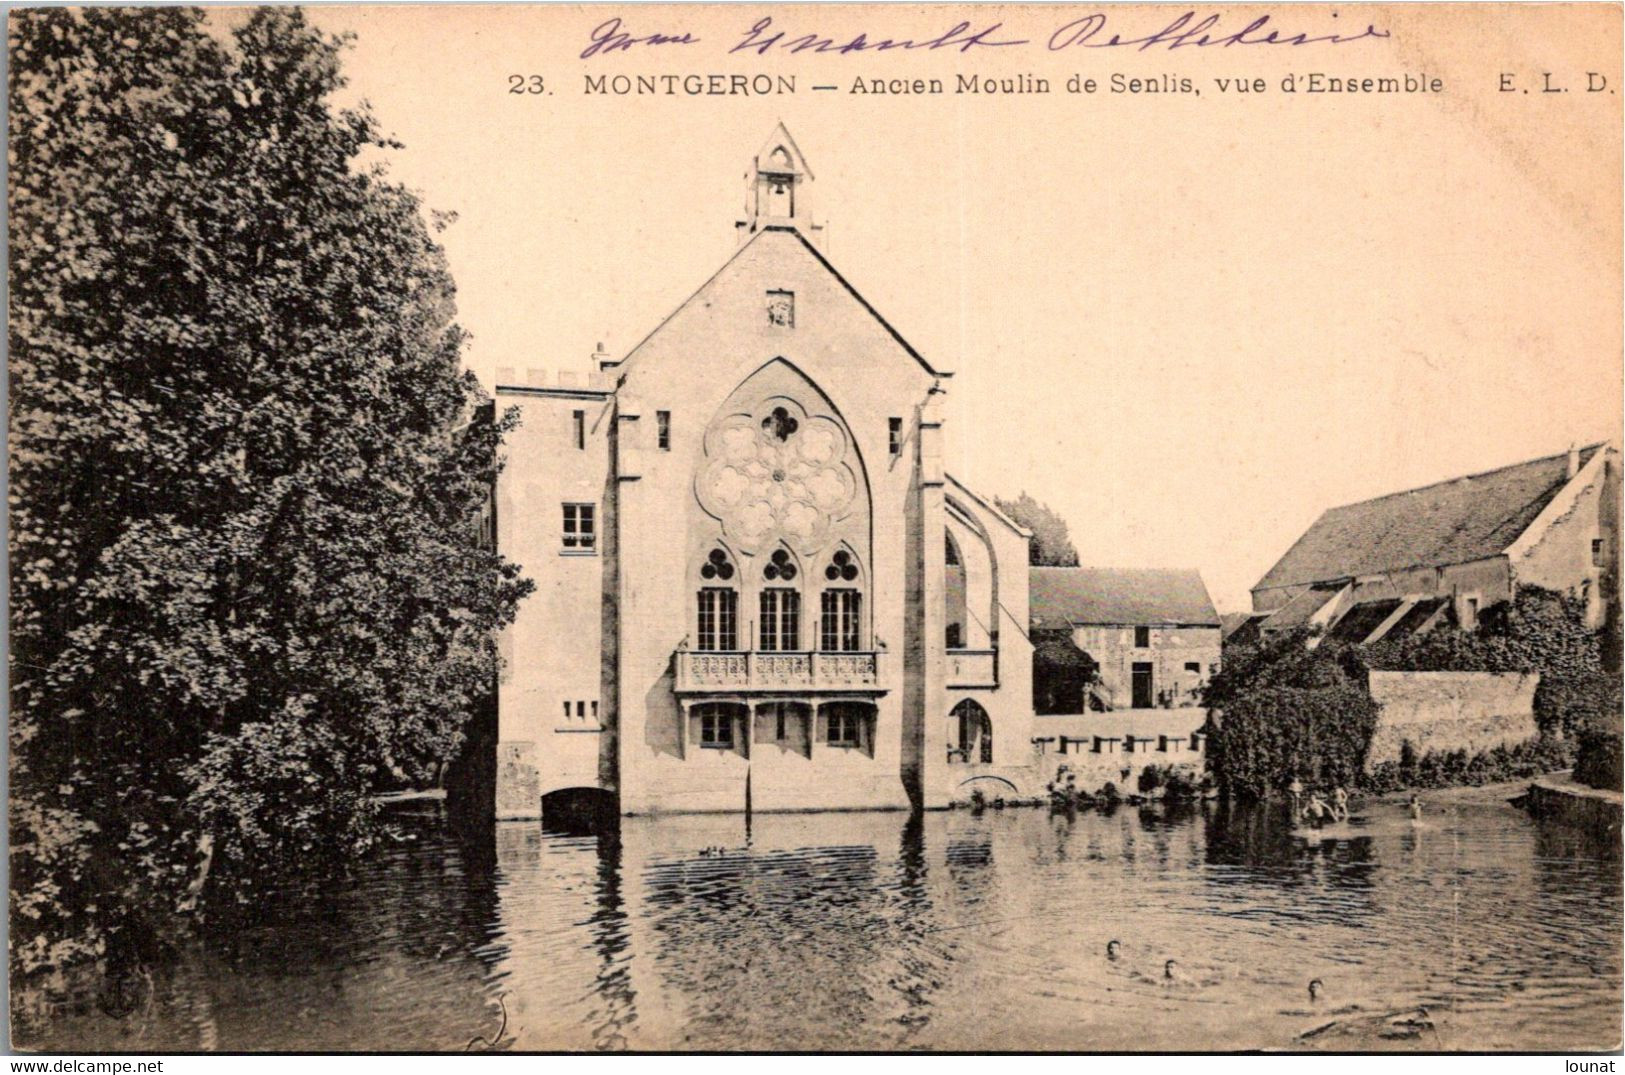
column 1171, row 653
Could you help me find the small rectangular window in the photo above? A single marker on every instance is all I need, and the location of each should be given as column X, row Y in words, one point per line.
column 843, row 728
column 1193, row 666
column 581, row 710
column 1142, row 637
column 839, row 626
column 578, row 429
column 895, row 428
column 663, row 430
column 716, row 728
column 595, row 709
column 580, row 527
column 566, row 710
column 1596, row 552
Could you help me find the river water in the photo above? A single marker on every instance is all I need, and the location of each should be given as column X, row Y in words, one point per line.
column 948, row 931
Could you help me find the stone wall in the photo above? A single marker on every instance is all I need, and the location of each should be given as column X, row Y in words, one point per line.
column 1591, row 809
column 1440, row 712
column 1097, row 748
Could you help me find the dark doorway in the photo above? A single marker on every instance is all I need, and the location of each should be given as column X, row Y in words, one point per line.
column 1142, row 685
column 579, row 811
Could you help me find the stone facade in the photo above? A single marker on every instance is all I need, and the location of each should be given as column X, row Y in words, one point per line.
column 1171, row 663
column 1441, row 712
column 758, row 618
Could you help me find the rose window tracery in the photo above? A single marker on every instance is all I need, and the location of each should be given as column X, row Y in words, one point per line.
column 777, row 473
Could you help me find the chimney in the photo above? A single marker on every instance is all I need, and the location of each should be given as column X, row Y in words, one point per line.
column 1574, row 459
column 601, row 360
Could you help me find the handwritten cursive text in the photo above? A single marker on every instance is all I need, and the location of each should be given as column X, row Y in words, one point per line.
column 1088, row 31
column 761, row 39
column 608, row 37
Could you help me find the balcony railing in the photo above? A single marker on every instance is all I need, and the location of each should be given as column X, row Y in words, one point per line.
column 973, row 668
column 760, row 672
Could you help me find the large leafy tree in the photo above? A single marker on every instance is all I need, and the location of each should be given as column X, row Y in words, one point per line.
column 245, row 470
column 1051, row 543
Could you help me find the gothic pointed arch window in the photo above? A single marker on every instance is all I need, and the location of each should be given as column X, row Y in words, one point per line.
column 970, row 725
column 779, row 603
column 841, row 604
column 717, row 603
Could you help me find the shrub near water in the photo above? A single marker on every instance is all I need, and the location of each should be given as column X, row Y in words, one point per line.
column 1455, row 768
column 1288, row 710
column 1597, row 758
column 1319, row 735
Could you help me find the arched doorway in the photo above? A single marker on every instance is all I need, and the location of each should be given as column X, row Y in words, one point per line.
column 970, row 734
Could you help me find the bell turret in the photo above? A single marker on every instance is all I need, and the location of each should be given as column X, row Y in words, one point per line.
column 776, row 188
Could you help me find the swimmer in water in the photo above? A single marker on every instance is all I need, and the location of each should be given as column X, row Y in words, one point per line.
column 1315, row 986
column 1317, row 810
column 1168, row 971
column 1113, row 949
column 1415, row 808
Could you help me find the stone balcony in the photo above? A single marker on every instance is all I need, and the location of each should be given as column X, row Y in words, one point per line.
column 764, row 673
column 973, row 668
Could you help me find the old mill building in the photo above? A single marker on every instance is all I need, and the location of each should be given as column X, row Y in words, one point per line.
column 757, row 588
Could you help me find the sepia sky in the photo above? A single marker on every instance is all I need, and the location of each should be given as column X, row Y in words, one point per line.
column 1188, row 322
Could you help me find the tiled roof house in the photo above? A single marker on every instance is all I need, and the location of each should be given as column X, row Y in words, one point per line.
column 1408, row 561
column 1151, row 634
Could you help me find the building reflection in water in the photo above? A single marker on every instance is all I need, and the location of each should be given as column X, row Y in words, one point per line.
column 949, row 931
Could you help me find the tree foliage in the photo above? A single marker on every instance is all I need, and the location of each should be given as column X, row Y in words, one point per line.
column 1319, row 735
column 1280, row 660
column 1051, row 543
column 245, row 471
column 1597, row 760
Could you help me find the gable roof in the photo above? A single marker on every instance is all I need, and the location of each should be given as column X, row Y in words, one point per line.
column 1060, row 597
column 627, row 362
column 1450, row 522
column 780, row 138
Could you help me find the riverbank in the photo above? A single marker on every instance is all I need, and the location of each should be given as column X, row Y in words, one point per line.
column 1466, row 794
column 1560, row 796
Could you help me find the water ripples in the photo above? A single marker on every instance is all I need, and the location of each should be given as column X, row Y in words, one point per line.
column 948, row 931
